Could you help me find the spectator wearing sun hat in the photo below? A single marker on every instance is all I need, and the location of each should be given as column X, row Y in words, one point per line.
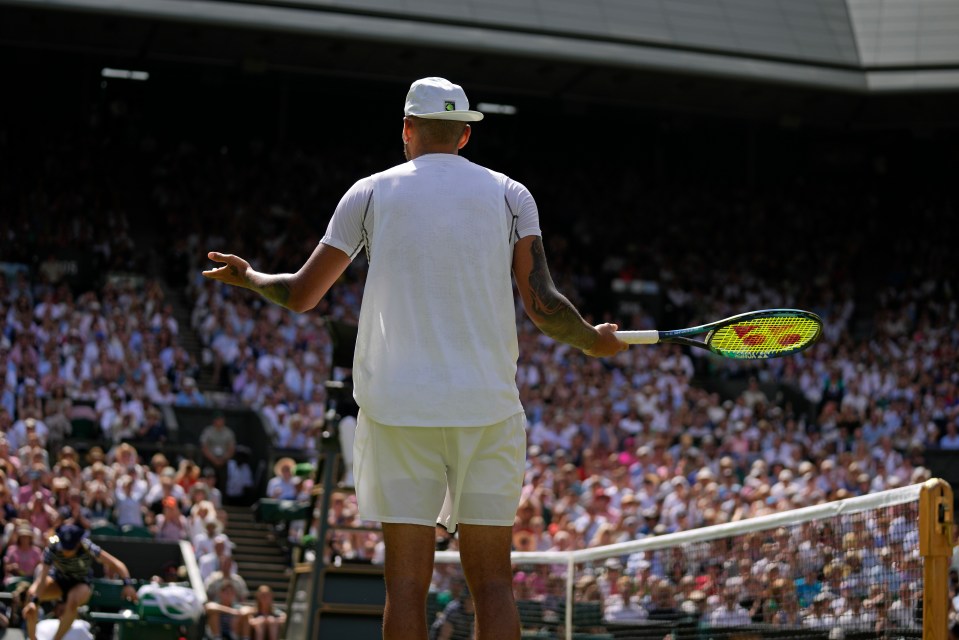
column 283, row 485
column 22, row 555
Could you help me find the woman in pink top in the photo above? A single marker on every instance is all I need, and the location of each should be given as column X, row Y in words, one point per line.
column 41, row 515
column 22, row 556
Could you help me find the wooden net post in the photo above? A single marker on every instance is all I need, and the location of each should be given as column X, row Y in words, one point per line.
column 935, row 547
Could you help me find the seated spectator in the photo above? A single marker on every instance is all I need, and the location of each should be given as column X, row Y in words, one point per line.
column 187, row 475
column 166, row 488
column 126, row 460
column 203, row 542
column 125, row 428
column 129, row 510
column 75, row 510
column 209, row 488
column 950, row 439
column 95, row 455
column 35, row 482
column 34, row 452
column 212, row 583
column 171, row 524
column 456, row 619
column 158, row 463
column 154, row 428
column 56, row 412
column 283, row 485
column 9, row 461
column 61, row 492
column 29, row 402
column 100, row 502
column 164, row 393
column 239, row 477
column 622, row 606
column 201, row 513
column 663, row 607
column 220, row 560
column 72, row 472
column 26, row 430
column 189, row 395
column 23, row 555
column 266, row 619
column 224, row 614
column 41, row 514
column 8, row 510
column 819, row 615
column 730, row 613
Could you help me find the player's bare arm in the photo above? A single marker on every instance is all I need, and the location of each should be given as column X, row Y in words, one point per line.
column 118, row 567
column 33, row 592
column 300, row 291
column 550, row 310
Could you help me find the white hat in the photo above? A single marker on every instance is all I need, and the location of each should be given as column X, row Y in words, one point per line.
column 439, row 99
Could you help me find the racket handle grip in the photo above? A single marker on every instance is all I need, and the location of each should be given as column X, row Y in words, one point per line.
column 639, row 337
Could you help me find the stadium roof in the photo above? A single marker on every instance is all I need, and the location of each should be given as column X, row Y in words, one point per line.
column 604, row 50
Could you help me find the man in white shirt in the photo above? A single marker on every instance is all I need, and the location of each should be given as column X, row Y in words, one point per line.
column 216, row 560
column 441, row 431
column 730, row 613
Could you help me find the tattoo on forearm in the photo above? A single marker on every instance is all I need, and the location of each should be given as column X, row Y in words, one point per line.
column 557, row 317
column 278, row 292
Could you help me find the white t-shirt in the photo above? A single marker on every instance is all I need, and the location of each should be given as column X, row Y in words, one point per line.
column 436, row 343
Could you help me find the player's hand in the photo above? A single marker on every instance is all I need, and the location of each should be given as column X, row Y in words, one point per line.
column 234, row 271
column 129, row 593
column 607, row 344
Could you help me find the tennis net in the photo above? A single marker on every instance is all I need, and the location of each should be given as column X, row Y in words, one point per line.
column 862, row 567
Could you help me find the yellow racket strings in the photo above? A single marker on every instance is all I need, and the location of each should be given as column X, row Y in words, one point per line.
column 769, row 336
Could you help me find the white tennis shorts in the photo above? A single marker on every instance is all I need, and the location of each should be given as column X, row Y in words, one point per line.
column 439, row 475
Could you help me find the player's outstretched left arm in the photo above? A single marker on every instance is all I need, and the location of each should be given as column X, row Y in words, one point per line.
column 300, row 291
column 551, row 311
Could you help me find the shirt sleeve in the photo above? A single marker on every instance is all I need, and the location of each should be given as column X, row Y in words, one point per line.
column 523, row 206
column 92, row 548
column 346, row 230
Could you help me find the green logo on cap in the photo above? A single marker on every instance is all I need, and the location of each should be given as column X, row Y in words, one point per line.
column 450, row 105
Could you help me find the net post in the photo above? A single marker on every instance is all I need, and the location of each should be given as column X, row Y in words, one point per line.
column 935, row 547
column 570, row 569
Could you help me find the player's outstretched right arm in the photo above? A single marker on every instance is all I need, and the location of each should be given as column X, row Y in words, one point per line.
column 550, row 310
column 300, row 291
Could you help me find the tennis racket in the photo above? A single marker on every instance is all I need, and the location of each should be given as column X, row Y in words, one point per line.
column 769, row 333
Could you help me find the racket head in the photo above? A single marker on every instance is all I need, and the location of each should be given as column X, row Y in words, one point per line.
column 769, row 333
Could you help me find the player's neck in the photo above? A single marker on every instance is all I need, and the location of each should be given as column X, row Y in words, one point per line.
column 432, row 150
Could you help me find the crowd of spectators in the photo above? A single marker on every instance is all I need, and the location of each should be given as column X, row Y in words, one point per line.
column 90, row 367
column 637, row 445
column 632, row 446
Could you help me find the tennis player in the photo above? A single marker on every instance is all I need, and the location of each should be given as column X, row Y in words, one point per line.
column 440, row 434
column 66, row 573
